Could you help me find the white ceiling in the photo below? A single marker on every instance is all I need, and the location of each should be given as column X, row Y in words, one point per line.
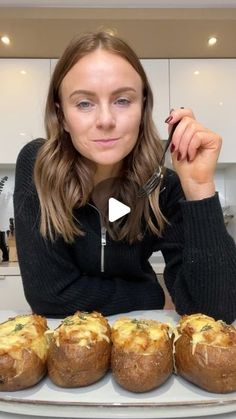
column 155, row 28
column 121, row 3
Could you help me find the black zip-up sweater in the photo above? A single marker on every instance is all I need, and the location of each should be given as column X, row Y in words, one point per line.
column 59, row 279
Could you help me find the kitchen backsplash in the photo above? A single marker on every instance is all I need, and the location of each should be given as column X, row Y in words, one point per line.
column 6, row 202
column 225, row 179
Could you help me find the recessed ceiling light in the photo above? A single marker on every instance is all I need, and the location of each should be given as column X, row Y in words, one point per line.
column 5, row 39
column 23, row 72
column 212, row 41
column 196, row 72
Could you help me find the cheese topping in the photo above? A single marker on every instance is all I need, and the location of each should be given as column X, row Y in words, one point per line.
column 26, row 331
column 206, row 330
column 142, row 335
column 84, row 329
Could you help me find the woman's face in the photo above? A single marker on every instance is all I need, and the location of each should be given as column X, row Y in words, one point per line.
column 102, row 101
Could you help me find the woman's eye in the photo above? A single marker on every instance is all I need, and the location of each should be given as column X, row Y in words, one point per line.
column 84, row 105
column 122, row 101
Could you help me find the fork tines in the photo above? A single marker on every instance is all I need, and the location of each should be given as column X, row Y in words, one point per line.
column 155, row 179
column 151, row 184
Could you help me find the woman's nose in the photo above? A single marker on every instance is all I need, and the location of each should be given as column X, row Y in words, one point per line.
column 105, row 117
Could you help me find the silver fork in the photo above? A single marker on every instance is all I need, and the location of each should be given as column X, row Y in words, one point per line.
column 157, row 176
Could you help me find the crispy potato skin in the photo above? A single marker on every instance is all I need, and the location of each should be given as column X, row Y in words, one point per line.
column 71, row 365
column 140, row 373
column 20, row 366
column 209, row 367
column 22, row 373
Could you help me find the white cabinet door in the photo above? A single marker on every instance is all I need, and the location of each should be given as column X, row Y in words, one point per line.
column 208, row 86
column 158, row 75
column 53, row 63
column 23, row 86
column 12, row 295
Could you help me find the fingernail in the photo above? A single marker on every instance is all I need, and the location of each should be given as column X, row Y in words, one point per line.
column 172, row 148
column 179, row 157
column 167, row 120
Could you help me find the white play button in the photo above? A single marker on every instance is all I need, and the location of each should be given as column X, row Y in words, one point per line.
column 116, row 209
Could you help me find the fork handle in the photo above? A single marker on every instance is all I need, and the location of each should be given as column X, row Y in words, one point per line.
column 168, row 141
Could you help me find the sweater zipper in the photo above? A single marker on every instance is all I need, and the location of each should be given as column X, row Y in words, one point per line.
column 103, row 240
column 103, row 244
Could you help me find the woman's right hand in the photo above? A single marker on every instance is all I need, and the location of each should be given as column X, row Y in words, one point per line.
column 195, row 150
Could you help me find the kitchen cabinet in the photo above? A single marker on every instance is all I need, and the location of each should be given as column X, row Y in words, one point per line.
column 12, row 294
column 208, row 87
column 158, row 75
column 205, row 85
column 53, row 63
column 23, row 85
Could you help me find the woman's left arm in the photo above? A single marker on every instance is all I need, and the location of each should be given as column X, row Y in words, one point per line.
column 200, row 255
column 201, row 267
column 195, row 150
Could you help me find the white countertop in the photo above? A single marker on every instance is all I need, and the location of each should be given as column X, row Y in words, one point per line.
column 9, row 268
column 158, row 267
column 105, row 399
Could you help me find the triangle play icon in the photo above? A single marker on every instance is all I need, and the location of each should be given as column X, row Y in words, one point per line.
column 116, row 209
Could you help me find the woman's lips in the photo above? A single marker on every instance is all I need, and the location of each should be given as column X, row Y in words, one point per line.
column 106, row 141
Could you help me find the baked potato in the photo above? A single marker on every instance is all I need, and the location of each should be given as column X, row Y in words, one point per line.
column 79, row 350
column 142, row 357
column 205, row 353
column 23, row 352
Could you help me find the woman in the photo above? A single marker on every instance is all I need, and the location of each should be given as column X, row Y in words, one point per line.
column 100, row 132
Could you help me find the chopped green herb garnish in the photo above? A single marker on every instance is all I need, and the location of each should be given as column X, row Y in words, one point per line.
column 140, row 324
column 68, row 322
column 18, row 327
column 205, row 328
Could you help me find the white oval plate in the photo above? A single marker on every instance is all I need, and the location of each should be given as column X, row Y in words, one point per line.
column 107, row 400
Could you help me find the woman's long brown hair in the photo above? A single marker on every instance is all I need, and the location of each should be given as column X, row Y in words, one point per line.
column 64, row 178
